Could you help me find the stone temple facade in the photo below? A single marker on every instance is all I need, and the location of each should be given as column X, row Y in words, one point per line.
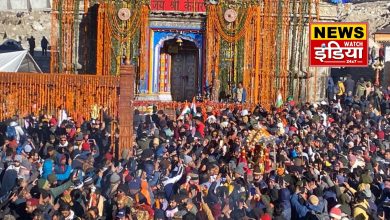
column 21, row 19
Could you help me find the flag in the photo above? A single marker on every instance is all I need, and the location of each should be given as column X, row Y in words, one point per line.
column 186, row 110
column 279, row 100
column 204, row 112
column 193, row 106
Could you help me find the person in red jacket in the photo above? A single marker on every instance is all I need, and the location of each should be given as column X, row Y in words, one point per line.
column 200, row 127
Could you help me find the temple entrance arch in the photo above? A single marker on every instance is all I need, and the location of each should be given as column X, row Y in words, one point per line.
column 179, row 69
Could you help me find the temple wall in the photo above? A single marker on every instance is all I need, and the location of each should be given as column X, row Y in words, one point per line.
column 22, row 18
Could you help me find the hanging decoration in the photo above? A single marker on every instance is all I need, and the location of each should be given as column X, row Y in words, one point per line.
column 226, row 23
column 292, row 72
column 285, row 49
column 279, row 45
column 124, row 14
column 124, row 25
column 260, row 35
column 26, row 93
column 63, row 36
column 54, row 37
column 230, row 15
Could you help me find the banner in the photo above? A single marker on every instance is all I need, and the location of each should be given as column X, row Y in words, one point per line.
column 178, row 5
column 338, row 44
column 387, row 54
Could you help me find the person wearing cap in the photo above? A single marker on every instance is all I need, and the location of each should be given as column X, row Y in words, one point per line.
column 79, row 140
column 155, row 143
column 330, row 153
column 61, row 166
column 361, row 210
column 335, row 213
column 85, row 148
column 314, row 205
column 31, row 205
column 51, row 152
column 55, row 191
column 28, row 146
column 113, row 184
column 121, row 214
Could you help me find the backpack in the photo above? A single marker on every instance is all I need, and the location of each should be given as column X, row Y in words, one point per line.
column 319, row 215
column 10, row 132
column 368, row 211
column 19, row 149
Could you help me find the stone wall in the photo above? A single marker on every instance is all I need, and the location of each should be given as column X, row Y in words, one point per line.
column 25, row 5
column 377, row 14
column 21, row 25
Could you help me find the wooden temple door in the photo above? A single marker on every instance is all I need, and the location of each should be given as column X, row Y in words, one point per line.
column 184, row 75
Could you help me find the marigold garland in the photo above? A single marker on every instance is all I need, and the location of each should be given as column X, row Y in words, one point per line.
column 220, row 28
column 120, row 32
column 26, row 93
column 266, row 49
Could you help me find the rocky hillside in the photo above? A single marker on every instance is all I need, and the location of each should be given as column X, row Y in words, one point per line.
column 20, row 26
column 377, row 14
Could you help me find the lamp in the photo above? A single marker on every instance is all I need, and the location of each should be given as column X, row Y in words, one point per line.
column 377, row 66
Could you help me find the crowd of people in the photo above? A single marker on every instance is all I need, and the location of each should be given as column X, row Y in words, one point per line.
column 327, row 160
column 362, row 93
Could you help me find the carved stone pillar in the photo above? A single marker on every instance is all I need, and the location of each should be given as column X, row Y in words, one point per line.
column 126, row 97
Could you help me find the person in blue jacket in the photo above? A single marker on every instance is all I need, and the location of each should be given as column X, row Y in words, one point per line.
column 48, row 168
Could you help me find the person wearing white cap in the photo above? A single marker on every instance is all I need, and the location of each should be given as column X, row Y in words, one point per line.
column 244, row 112
column 211, row 119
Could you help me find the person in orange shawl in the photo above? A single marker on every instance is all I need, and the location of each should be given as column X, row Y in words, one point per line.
column 145, row 192
column 144, row 198
column 145, row 195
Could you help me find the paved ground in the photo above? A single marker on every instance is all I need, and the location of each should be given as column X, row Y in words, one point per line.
column 42, row 61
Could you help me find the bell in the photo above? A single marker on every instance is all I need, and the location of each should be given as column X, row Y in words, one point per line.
column 179, row 41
